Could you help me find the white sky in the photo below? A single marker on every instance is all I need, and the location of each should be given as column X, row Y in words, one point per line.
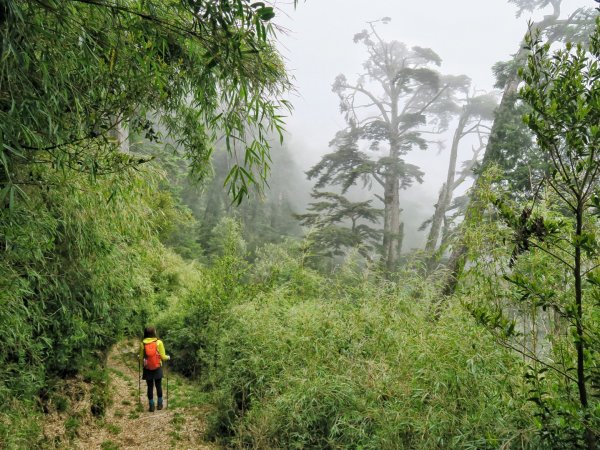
column 469, row 35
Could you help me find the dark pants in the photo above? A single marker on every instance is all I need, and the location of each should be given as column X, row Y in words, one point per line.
column 151, row 384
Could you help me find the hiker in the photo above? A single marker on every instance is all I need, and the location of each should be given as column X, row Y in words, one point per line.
column 152, row 353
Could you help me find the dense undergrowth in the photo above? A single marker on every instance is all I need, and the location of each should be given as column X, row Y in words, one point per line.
column 81, row 267
column 295, row 359
column 372, row 374
column 294, row 349
column 290, row 356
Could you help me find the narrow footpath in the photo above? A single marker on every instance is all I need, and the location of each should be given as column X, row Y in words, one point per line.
column 127, row 423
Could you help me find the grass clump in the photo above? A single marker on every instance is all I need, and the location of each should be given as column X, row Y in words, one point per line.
column 109, row 445
column 112, row 428
column 100, row 392
column 72, row 426
column 20, row 426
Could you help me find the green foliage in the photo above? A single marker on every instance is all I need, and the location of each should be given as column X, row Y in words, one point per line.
column 109, row 445
column 517, row 288
column 327, row 218
column 194, row 315
column 100, row 389
column 295, row 360
column 72, row 425
column 562, row 90
column 75, row 73
column 81, row 262
column 372, row 373
column 80, row 268
column 266, row 217
column 511, row 147
column 60, row 279
column 290, row 358
column 20, row 425
column 288, row 266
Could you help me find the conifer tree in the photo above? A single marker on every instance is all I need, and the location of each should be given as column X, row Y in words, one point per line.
column 390, row 108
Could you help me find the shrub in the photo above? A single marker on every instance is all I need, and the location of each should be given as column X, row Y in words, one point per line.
column 80, row 267
column 374, row 373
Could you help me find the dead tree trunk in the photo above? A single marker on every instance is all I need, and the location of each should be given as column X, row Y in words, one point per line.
column 446, row 193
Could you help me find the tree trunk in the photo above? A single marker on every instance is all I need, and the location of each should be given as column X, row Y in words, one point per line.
column 446, row 193
column 589, row 435
column 391, row 227
column 391, row 221
column 400, row 238
column 395, row 243
column 445, row 232
column 509, row 96
column 436, row 222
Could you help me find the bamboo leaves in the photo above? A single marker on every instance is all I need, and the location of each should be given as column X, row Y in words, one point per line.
column 119, row 61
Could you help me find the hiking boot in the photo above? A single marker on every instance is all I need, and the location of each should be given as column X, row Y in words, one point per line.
column 159, row 406
column 151, row 408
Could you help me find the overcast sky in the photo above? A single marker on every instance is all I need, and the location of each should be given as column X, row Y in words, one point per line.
column 469, row 35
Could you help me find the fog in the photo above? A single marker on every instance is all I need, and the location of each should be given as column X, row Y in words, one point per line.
column 469, row 35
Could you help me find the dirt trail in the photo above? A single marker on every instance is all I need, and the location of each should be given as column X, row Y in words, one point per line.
column 127, row 425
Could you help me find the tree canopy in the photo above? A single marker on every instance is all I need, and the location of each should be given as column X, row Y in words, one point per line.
column 398, row 100
column 74, row 72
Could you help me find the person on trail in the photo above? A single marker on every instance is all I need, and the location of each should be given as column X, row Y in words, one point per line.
column 152, row 353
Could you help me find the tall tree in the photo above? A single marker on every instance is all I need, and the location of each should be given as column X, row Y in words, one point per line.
column 398, row 98
column 562, row 90
column 475, row 113
column 504, row 144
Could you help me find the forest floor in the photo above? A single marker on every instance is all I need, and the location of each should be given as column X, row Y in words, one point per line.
column 127, row 423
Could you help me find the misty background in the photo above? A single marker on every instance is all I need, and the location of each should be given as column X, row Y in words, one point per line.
column 469, row 35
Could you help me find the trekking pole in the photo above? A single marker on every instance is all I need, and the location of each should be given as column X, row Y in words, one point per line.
column 167, row 375
column 139, row 381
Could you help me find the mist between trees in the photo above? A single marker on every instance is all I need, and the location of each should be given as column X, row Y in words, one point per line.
column 146, row 178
